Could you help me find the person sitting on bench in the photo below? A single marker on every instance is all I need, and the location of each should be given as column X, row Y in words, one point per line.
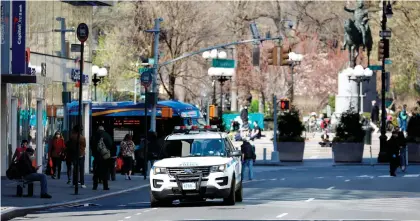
column 28, row 172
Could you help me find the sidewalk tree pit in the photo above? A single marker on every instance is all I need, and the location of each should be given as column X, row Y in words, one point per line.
column 348, row 143
column 291, row 144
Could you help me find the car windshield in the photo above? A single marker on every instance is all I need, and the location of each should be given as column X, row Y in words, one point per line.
column 193, row 147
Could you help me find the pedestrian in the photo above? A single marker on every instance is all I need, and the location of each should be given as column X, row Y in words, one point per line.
column 248, row 158
column 20, row 150
column 57, row 154
column 374, row 116
column 101, row 151
column 29, row 172
column 256, row 131
column 69, row 152
column 78, row 159
column 112, row 163
column 394, row 144
column 127, row 152
column 403, row 119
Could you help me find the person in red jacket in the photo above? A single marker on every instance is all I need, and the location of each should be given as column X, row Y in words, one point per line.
column 56, row 153
column 20, row 150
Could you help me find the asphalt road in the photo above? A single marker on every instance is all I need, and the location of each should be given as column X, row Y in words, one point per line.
column 339, row 193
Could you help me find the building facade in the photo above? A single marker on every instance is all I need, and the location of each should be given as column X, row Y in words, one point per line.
column 32, row 84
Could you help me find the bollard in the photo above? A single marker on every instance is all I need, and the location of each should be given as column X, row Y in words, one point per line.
column 265, row 154
column 371, row 160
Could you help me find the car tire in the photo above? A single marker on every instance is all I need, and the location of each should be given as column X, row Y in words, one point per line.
column 239, row 194
column 155, row 202
column 231, row 199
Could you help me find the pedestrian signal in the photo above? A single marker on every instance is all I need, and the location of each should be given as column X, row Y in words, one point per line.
column 284, row 104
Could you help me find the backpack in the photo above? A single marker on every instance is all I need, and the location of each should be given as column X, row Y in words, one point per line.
column 13, row 172
column 103, row 151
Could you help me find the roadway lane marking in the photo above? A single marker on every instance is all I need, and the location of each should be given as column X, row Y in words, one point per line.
column 330, row 188
column 385, row 176
column 154, row 208
column 146, row 211
column 411, row 175
column 137, row 214
column 309, row 200
column 138, row 203
column 128, row 217
column 365, row 176
column 281, row 215
column 320, row 177
column 273, row 179
column 339, row 176
column 283, row 178
column 346, row 180
column 121, row 205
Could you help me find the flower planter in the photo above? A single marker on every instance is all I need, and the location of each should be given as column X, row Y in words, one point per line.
column 291, row 151
column 413, row 152
column 348, row 152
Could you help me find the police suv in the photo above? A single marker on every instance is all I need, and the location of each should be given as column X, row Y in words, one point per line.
column 199, row 164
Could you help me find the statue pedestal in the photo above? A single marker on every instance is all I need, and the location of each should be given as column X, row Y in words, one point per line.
column 347, row 95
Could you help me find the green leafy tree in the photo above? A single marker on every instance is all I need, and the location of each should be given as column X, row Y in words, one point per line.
column 290, row 126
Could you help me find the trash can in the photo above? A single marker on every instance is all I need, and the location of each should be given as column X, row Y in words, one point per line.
column 368, row 134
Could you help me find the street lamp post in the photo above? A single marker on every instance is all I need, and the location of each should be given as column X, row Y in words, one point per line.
column 98, row 75
column 360, row 75
column 386, row 13
column 219, row 74
column 295, row 59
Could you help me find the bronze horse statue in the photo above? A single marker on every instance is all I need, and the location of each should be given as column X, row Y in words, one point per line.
column 353, row 40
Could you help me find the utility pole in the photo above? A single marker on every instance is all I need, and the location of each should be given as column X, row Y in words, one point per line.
column 156, row 31
column 63, row 32
column 382, row 139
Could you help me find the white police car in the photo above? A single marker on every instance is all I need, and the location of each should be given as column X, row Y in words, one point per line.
column 197, row 163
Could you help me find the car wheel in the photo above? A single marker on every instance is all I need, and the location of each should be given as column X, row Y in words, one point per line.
column 154, row 202
column 231, row 199
column 239, row 194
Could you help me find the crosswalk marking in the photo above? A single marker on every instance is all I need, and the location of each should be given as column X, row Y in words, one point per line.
column 411, row 175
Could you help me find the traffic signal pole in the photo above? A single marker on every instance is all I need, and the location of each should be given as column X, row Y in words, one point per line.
column 382, row 139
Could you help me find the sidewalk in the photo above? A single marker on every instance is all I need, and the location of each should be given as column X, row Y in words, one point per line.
column 62, row 194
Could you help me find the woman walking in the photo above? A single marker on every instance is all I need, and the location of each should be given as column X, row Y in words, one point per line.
column 127, row 150
column 56, row 153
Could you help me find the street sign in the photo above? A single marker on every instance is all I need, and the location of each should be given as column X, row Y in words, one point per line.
column 76, row 47
column 82, row 32
column 143, row 70
column 375, row 67
column 146, row 78
column 223, row 63
column 385, row 34
column 387, row 61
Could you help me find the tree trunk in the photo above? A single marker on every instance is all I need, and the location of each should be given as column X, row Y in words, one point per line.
column 172, row 81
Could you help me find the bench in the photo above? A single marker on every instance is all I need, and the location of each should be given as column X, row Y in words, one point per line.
column 22, row 183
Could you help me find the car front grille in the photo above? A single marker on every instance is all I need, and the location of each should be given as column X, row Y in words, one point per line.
column 189, row 171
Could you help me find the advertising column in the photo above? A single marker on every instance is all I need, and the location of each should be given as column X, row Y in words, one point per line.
column 18, row 37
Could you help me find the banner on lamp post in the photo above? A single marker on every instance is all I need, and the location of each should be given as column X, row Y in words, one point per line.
column 5, row 37
column 18, row 37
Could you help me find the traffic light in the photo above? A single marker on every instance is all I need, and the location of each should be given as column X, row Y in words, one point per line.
column 284, row 104
column 383, row 49
column 272, row 56
column 212, row 111
column 284, row 56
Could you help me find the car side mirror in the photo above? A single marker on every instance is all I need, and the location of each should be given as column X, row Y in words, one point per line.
column 236, row 153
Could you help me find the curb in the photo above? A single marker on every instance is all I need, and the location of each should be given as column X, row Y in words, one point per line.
column 14, row 212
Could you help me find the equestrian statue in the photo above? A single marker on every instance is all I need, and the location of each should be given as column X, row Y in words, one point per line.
column 357, row 33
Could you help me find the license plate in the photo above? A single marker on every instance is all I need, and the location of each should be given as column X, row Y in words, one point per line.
column 188, row 186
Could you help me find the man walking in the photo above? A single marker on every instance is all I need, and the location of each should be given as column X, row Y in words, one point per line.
column 248, row 158
column 101, row 151
column 374, row 116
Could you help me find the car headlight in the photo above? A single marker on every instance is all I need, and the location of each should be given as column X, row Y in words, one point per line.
column 159, row 170
column 218, row 168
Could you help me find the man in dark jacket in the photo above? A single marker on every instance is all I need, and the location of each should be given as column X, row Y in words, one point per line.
column 78, row 157
column 101, row 165
column 248, row 158
column 374, row 116
column 394, row 144
column 28, row 172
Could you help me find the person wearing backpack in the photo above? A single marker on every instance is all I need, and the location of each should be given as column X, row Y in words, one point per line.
column 101, row 151
column 248, row 158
